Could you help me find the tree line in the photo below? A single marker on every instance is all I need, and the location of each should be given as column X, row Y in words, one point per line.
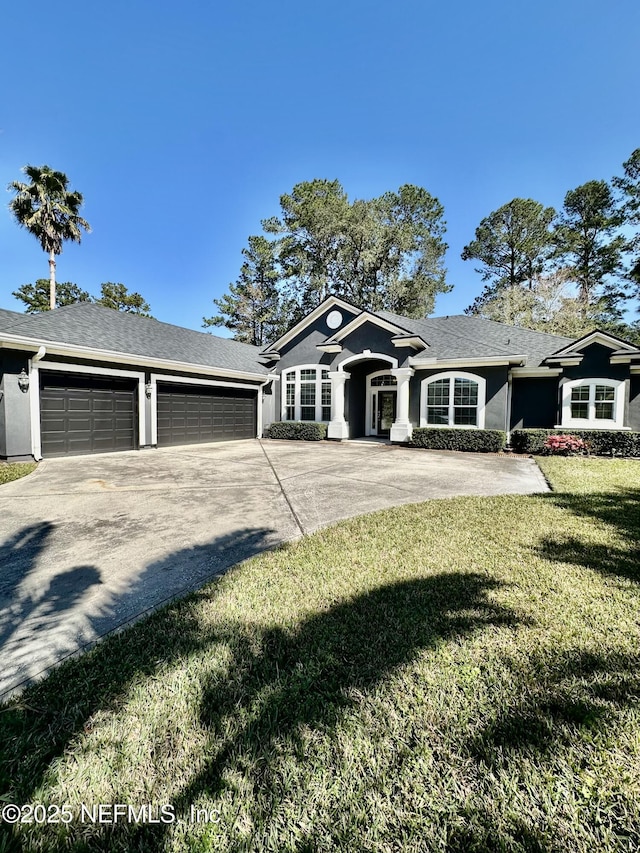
column 386, row 253
column 36, row 297
column 568, row 271
column 564, row 272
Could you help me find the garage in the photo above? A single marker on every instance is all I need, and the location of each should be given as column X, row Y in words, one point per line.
column 196, row 414
column 81, row 413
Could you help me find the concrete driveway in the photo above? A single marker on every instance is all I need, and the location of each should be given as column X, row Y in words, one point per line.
column 90, row 543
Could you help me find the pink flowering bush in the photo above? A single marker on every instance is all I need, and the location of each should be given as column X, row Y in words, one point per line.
column 565, row 445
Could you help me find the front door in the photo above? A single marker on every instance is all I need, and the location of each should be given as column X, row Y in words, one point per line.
column 384, row 411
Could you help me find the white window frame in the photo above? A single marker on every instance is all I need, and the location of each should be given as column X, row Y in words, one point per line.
column 591, row 422
column 452, row 375
column 370, row 390
column 297, row 385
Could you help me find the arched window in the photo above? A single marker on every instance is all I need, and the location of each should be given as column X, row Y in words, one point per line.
column 452, row 400
column 593, row 403
column 306, row 394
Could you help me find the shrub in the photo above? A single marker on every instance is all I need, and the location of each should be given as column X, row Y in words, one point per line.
column 564, row 445
column 600, row 442
column 529, row 440
column 297, row 430
column 469, row 440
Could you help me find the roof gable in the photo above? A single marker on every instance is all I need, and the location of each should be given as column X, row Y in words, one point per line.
column 331, row 303
column 605, row 339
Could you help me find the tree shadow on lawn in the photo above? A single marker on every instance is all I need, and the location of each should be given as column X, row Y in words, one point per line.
column 578, row 691
column 27, row 608
column 36, row 727
column 561, row 719
column 621, row 511
column 280, row 682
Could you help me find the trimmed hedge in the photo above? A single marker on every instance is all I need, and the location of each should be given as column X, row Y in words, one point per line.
column 297, row 430
column 600, row 442
column 469, row 440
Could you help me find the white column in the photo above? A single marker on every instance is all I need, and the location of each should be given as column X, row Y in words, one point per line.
column 338, row 427
column 401, row 428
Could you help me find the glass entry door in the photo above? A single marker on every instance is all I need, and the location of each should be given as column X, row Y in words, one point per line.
column 384, row 411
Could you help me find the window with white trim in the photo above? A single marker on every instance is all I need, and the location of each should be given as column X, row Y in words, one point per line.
column 306, row 394
column 596, row 403
column 452, row 400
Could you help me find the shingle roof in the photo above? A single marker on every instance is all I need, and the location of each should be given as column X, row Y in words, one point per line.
column 89, row 325
column 461, row 336
column 10, row 318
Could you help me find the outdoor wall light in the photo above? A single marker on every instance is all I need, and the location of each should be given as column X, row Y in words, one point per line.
column 23, row 381
column 147, row 390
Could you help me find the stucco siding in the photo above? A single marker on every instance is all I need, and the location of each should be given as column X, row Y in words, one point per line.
column 596, row 362
column 496, row 392
column 15, row 442
column 534, row 402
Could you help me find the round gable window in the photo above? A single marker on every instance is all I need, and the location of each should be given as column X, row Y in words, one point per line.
column 334, row 319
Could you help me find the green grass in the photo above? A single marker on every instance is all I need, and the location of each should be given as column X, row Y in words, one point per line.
column 460, row 675
column 14, row 470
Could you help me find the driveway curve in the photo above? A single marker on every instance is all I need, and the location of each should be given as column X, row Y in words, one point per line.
column 91, row 543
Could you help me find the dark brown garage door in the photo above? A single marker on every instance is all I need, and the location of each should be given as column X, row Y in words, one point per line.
column 193, row 414
column 86, row 414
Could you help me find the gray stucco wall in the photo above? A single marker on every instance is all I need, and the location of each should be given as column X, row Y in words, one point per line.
column 496, row 389
column 302, row 349
column 535, row 402
column 596, row 364
column 15, row 422
column 372, row 337
column 355, row 394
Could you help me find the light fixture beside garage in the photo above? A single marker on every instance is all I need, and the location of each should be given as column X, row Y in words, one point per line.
column 148, row 388
column 23, row 381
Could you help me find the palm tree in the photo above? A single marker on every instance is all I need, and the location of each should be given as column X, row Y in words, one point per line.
column 49, row 211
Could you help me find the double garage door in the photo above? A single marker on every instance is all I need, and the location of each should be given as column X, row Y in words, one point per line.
column 81, row 413
column 87, row 414
column 193, row 414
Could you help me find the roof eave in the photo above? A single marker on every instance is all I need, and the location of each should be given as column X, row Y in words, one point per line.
column 75, row 350
column 413, row 341
column 480, row 361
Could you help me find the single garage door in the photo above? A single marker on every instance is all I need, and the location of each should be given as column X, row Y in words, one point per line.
column 86, row 414
column 193, row 414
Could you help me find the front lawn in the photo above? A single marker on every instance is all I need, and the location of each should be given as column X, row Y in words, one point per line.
column 14, row 470
column 459, row 675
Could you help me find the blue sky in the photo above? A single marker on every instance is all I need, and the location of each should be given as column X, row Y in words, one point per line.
column 183, row 123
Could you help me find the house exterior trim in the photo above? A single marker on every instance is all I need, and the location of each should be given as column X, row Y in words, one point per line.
column 596, row 337
column 367, row 355
column 531, row 372
column 430, row 364
column 366, row 317
column 76, row 351
column 192, row 380
column 34, row 391
column 329, row 302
